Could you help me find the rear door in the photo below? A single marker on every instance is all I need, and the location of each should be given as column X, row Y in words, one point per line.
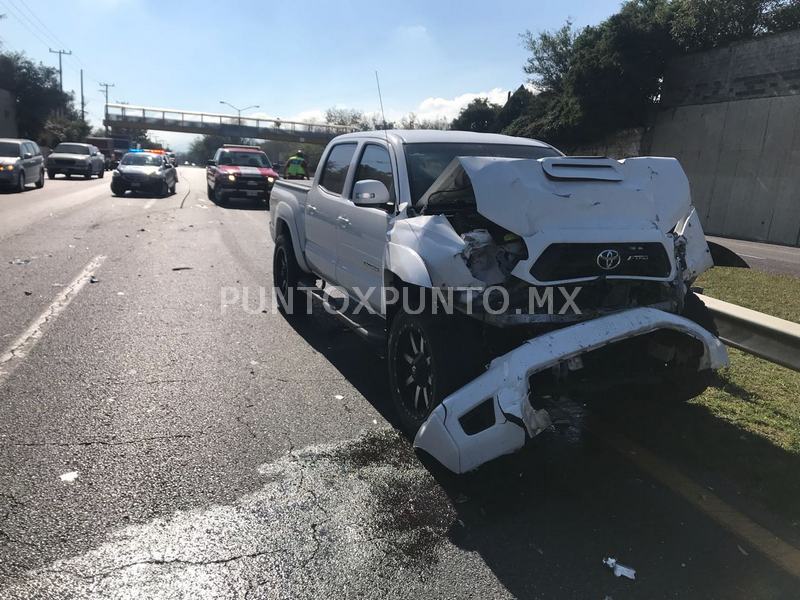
column 323, row 208
column 362, row 229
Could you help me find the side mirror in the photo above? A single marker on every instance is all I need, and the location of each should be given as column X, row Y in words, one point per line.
column 211, row 162
column 370, row 192
column 27, row 155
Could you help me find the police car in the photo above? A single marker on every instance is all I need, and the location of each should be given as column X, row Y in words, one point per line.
column 144, row 171
column 239, row 171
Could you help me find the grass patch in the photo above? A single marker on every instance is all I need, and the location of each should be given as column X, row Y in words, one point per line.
column 745, row 427
column 771, row 293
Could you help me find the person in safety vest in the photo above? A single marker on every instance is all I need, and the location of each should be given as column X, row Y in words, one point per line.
column 296, row 167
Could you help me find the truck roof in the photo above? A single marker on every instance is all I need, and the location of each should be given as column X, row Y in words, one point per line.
column 422, row 136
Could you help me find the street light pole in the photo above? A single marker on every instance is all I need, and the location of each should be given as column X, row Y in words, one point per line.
column 239, row 110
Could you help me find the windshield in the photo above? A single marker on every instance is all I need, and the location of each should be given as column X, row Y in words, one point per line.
column 9, row 149
column 244, row 159
column 71, row 149
column 427, row 161
column 142, row 160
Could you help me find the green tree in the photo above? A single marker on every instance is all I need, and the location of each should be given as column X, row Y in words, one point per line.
column 37, row 90
column 551, row 53
column 703, row 24
column 518, row 104
column 66, row 127
column 479, row 115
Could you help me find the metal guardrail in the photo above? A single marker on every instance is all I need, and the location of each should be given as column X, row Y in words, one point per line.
column 201, row 122
column 765, row 336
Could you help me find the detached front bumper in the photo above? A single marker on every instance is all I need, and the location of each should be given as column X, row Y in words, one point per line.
column 503, row 389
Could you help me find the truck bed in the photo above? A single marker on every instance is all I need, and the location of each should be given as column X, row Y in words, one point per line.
column 302, row 185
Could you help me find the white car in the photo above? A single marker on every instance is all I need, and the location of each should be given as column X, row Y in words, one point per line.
column 500, row 269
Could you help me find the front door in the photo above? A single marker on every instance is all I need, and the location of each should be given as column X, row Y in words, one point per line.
column 362, row 230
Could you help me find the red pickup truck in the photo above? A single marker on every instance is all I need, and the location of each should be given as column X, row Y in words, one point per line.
column 239, row 171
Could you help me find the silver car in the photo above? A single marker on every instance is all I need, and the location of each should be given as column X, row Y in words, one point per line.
column 72, row 158
column 21, row 163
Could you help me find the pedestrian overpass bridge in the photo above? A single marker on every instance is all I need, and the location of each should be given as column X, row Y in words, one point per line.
column 128, row 116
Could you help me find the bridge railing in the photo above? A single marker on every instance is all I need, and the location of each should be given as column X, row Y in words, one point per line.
column 121, row 113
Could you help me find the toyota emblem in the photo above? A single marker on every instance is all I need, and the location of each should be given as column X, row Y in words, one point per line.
column 608, row 260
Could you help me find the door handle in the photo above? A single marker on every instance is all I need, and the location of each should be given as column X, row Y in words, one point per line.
column 343, row 222
column 312, row 210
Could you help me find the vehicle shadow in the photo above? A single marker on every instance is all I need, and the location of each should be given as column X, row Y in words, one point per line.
column 544, row 519
column 242, row 204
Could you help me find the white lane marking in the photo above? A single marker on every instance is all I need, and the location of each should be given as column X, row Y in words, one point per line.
column 25, row 342
column 149, row 204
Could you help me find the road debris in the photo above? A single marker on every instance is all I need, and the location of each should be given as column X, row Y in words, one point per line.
column 619, row 569
column 338, row 397
column 93, row 279
column 182, row 268
column 27, row 293
column 20, row 261
column 69, row 477
column 743, row 551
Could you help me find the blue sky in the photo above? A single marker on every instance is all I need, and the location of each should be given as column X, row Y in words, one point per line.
column 292, row 59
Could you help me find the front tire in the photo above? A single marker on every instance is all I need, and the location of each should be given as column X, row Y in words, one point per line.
column 51, row 175
column 682, row 382
column 429, row 358
column 21, row 181
column 40, row 182
column 209, row 192
column 101, row 174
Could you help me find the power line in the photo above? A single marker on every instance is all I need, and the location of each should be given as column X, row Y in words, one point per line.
column 42, row 23
column 33, row 31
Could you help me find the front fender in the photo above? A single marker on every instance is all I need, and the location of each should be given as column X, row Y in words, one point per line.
column 407, row 265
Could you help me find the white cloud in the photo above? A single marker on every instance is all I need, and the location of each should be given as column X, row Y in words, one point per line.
column 436, row 108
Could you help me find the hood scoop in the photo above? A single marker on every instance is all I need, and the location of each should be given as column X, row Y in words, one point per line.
column 592, row 168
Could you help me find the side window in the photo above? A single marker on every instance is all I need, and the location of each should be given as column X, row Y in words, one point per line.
column 376, row 164
column 26, row 148
column 36, row 150
column 336, row 167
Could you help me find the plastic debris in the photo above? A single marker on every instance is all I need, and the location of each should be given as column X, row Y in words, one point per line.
column 619, row 569
column 181, row 268
column 69, row 477
column 743, row 551
column 338, row 397
column 93, row 279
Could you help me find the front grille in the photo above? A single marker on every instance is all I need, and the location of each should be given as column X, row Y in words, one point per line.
column 577, row 261
column 65, row 161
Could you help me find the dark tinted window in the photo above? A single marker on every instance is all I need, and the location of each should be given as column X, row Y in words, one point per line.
column 336, row 167
column 376, row 164
column 427, row 161
column 10, row 149
column 72, row 149
column 244, row 159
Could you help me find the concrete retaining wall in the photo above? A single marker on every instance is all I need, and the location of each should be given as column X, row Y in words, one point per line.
column 733, row 120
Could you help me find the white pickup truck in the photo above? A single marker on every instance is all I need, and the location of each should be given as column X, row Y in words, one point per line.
column 501, row 271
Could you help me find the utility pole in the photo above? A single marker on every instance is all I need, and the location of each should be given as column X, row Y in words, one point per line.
column 106, row 86
column 60, row 66
column 83, row 101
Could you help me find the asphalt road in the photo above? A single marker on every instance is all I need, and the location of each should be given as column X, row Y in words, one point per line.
column 156, row 444
column 765, row 257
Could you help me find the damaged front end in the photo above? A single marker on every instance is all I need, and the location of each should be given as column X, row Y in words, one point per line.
column 493, row 415
column 584, row 258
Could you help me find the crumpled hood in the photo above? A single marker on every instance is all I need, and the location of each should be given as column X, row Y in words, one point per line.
column 528, row 196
